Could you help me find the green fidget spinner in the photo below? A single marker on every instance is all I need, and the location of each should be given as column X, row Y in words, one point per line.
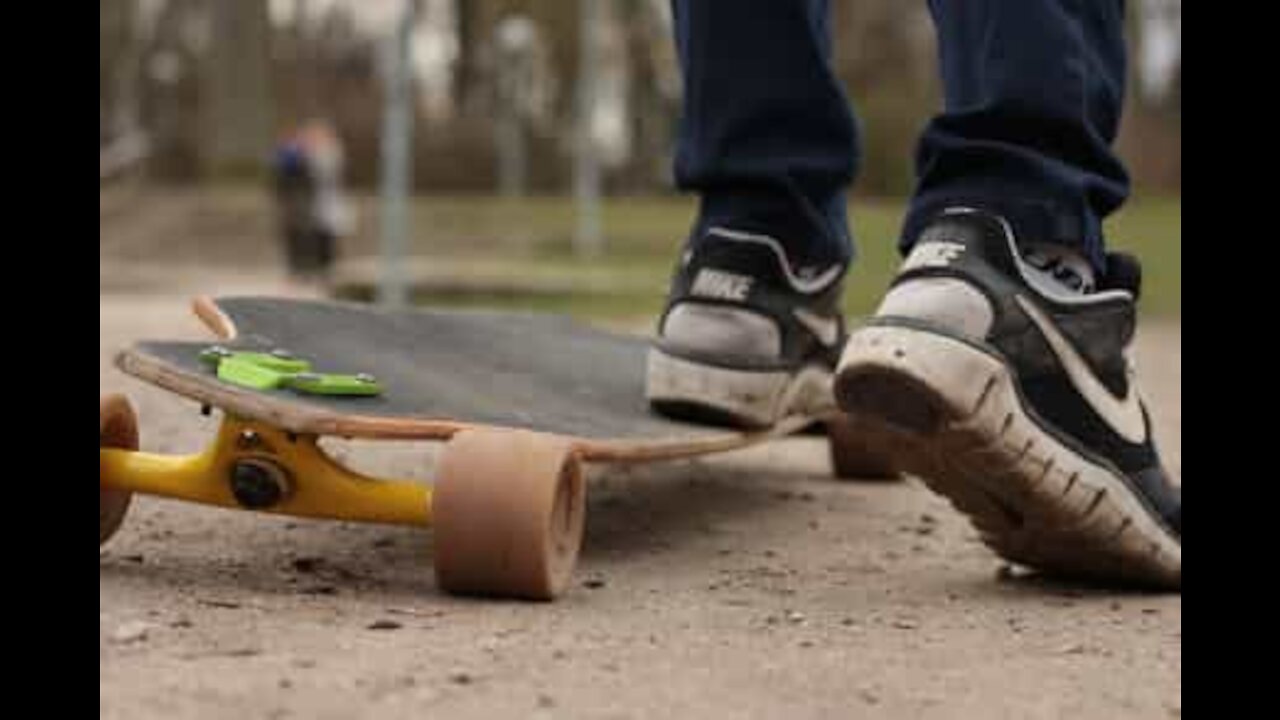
column 281, row 369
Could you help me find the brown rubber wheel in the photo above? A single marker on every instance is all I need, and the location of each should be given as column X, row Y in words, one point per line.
column 118, row 428
column 508, row 512
column 854, row 453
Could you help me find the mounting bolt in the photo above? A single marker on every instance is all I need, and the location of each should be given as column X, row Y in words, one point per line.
column 249, row 440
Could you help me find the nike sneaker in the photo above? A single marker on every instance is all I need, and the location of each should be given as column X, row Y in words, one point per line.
column 1001, row 376
column 748, row 336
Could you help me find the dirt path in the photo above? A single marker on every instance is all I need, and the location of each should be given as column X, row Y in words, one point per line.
column 747, row 586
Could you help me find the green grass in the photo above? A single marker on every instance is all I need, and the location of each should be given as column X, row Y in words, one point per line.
column 1152, row 230
column 643, row 234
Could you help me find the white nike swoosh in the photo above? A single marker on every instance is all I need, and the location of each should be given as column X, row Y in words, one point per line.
column 827, row 330
column 1124, row 415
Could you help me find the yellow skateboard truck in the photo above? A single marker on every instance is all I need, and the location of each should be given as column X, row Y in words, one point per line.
column 514, row 500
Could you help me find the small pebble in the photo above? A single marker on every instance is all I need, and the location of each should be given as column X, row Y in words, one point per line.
column 134, row 631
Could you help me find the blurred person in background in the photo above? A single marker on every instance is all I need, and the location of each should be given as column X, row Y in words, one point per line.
column 314, row 211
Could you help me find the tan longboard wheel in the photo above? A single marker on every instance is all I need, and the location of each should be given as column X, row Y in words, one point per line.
column 118, row 428
column 508, row 511
column 853, row 454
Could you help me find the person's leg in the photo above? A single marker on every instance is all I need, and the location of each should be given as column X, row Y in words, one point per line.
column 752, row 328
column 1033, row 94
column 766, row 136
column 997, row 366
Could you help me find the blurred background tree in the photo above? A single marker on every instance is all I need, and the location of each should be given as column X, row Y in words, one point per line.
column 212, row 82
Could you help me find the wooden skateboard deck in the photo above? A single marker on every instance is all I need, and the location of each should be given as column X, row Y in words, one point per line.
column 442, row 372
column 522, row 399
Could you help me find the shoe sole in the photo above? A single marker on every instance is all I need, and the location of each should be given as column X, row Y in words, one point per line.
column 709, row 394
column 951, row 414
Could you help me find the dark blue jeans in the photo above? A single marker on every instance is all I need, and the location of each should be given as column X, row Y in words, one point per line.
column 1033, row 88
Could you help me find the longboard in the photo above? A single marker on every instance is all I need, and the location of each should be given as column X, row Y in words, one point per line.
column 523, row 399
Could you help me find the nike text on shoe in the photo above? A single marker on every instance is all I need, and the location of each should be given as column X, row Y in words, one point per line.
column 1013, row 395
column 747, row 338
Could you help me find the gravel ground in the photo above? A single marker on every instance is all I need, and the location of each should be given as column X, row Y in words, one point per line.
column 748, row 585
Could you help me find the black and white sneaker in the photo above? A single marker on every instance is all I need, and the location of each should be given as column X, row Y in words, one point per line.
column 1007, row 387
column 747, row 338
